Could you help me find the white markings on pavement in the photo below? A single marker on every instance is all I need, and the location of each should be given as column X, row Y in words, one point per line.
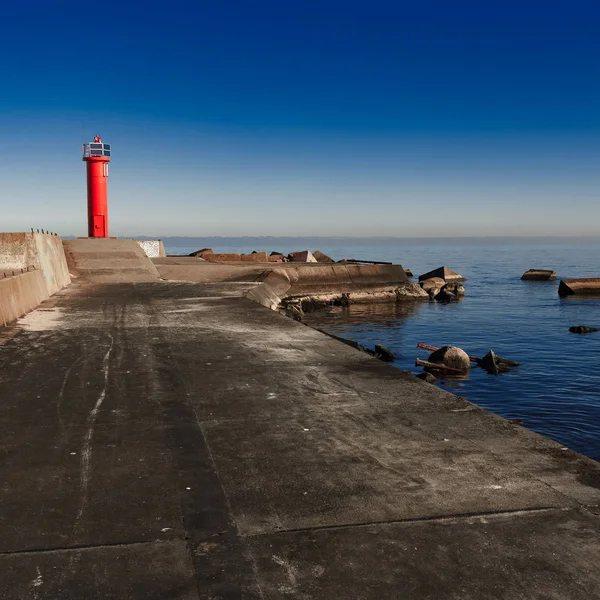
column 86, row 452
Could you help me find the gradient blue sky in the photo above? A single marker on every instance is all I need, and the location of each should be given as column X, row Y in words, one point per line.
column 304, row 118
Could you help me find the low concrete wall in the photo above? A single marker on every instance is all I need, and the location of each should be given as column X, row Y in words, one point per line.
column 360, row 283
column 42, row 258
column 21, row 294
column 42, row 251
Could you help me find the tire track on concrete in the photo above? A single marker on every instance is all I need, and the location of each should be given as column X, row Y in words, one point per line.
column 86, row 452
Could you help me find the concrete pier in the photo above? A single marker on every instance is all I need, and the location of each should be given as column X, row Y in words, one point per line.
column 177, row 440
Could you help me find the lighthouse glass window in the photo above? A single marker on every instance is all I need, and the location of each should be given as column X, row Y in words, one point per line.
column 99, row 149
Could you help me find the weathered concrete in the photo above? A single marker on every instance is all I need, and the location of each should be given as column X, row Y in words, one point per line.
column 539, row 275
column 32, row 268
column 108, row 260
column 582, row 287
column 431, row 283
column 175, row 440
column 20, row 294
column 444, row 273
column 44, row 252
column 360, row 283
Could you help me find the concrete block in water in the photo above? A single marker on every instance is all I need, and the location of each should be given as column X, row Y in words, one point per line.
column 589, row 286
column 432, row 282
column 539, row 275
column 444, row 273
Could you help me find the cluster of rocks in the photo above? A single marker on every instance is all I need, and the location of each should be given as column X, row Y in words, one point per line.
column 453, row 361
column 443, row 285
column 305, row 256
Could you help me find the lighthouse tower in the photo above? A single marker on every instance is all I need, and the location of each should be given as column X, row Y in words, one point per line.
column 96, row 155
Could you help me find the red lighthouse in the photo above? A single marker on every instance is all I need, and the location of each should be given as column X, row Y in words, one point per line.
column 97, row 156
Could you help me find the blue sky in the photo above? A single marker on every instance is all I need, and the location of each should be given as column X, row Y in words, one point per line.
column 305, row 118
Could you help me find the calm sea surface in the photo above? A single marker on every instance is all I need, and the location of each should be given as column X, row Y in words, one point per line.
column 555, row 391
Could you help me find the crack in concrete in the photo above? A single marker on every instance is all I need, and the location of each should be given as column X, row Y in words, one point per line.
column 437, row 519
column 77, row 547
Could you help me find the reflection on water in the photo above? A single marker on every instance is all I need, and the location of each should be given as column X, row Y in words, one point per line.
column 387, row 313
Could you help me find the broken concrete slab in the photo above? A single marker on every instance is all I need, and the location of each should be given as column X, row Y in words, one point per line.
column 255, row 257
column 444, row 273
column 322, row 258
column 432, row 282
column 539, row 275
column 224, row 257
column 587, row 286
column 303, row 256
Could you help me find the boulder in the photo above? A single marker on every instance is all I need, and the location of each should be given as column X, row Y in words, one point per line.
column 384, row 353
column 428, row 377
column 199, row 253
column 276, row 258
column 322, row 258
column 539, row 275
column 443, row 273
column 411, row 291
column 305, row 256
column 584, row 286
column 276, row 254
column 433, row 282
column 408, row 272
column 451, row 356
column 433, row 292
column 582, row 329
column 458, row 289
column 446, row 296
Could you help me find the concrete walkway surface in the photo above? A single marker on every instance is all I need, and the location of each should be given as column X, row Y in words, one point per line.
column 175, row 440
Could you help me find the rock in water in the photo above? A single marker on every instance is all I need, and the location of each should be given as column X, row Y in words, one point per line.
column 444, row 273
column 451, row 356
column 411, row 291
column 433, row 282
column 433, row 292
column 582, row 329
column 384, row 353
column 428, row 377
column 446, row 296
column 458, row 289
column 495, row 364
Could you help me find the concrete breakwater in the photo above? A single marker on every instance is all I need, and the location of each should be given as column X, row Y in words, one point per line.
column 173, row 439
column 32, row 268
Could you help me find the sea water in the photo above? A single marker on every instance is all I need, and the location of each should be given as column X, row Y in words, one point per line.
column 555, row 391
